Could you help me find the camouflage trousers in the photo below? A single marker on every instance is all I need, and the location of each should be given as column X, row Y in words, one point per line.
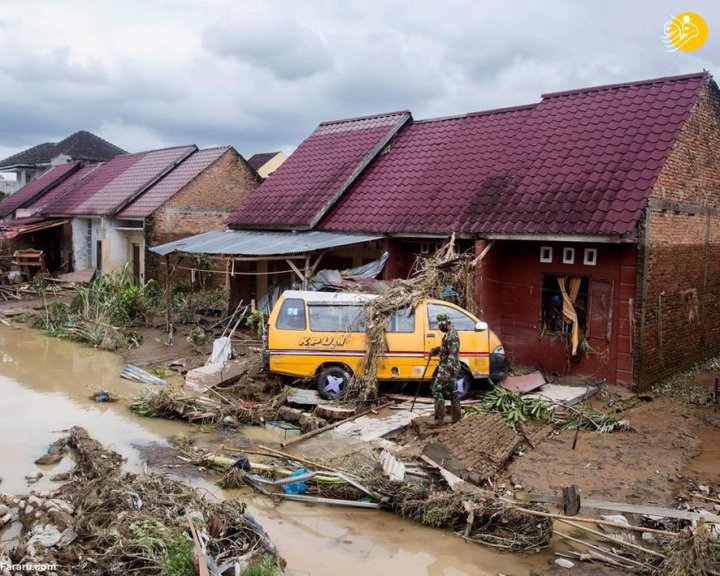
column 445, row 385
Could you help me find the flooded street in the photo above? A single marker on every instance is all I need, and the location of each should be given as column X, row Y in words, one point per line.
column 46, row 385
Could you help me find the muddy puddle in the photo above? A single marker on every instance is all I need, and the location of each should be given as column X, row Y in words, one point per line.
column 45, row 387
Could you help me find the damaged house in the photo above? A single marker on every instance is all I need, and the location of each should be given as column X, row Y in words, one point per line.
column 594, row 215
column 102, row 216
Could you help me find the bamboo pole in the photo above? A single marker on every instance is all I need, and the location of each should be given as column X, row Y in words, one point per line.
column 280, row 454
column 618, row 541
column 603, row 550
column 586, row 520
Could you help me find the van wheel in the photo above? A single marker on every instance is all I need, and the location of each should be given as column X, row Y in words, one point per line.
column 332, row 382
column 464, row 383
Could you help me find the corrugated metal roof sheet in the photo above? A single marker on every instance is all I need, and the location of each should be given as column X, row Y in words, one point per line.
column 261, row 242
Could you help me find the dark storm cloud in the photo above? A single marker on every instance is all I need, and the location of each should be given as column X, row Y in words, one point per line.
column 284, row 47
column 261, row 76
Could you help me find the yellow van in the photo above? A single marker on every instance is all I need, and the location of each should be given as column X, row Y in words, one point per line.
column 321, row 335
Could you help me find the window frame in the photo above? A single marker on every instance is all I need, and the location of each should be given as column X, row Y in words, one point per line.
column 282, row 317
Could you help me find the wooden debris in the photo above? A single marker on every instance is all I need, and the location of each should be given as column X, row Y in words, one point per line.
column 312, row 433
column 622, row 507
column 331, row 412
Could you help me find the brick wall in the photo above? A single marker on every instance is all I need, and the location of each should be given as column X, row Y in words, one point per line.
column 679, row 285
column 201, row 206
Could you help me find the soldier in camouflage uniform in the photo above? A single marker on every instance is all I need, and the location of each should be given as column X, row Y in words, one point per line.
column 445, row 385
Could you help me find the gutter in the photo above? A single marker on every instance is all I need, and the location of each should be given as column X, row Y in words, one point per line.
column 574, row 238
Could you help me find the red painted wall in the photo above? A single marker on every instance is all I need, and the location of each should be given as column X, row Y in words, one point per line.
column 509, row 293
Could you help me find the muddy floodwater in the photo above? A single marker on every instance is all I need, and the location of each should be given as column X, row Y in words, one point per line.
column 45, row 387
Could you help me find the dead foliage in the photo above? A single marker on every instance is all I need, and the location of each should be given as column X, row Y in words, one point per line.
column 174, row 404
column 122, row 523
column 430, row 276
column 694, row 552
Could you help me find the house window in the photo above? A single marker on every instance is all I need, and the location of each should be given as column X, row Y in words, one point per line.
column 402, row 321
column 338, row 317
column 546, row 254
column 569, row 290
column 568, row 255
column 590, row 257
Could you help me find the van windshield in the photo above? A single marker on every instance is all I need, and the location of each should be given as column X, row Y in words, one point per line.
column 460, row 321
column 338, row 318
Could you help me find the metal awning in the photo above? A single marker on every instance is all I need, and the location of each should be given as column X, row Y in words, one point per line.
column 9, row 230
column 259, row 243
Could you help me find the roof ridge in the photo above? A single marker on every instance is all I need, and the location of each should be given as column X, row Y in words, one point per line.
column 88, row 133
column 226, row 147
column 143, row 152
column 370, row 117
column 659, row 80
column 479, row 113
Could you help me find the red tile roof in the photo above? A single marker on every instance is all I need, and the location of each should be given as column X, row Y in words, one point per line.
column 304, row 187
column 171, row 184
column 115, row 183
column 65, row 187
column 579, row 162
column 37, row 188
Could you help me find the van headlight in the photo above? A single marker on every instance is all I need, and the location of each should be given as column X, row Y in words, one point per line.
column 499, row 350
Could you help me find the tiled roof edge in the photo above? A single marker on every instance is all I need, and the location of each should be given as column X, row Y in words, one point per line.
column 358, row 118
column 479, row 113
column 154, row 180
column 702, row 74
column 360, row 168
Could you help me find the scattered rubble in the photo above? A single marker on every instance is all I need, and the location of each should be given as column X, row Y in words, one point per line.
column 107, row 522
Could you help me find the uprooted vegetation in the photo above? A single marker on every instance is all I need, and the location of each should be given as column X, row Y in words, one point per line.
column 105, row 522
column 516, row 408
column 103, row 312
column 445, row 269
column 176, row 405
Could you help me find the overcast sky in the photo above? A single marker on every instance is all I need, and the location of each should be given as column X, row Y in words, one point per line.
column 260, row 75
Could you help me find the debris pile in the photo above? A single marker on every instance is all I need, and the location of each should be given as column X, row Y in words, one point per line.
column 476, row 515
column 106, row 522
column 444, row 270
column 176, row 405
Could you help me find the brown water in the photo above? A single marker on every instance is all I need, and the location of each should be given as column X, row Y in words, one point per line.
column 45, row 386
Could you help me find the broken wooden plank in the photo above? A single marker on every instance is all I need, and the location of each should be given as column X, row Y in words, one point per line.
column 312, row 433
column 621, row 507
column 331, row 412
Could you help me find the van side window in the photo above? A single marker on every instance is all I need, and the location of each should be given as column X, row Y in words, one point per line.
column 402, row 321
column 292, row 315
column 461, row 321
column 337, row 318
